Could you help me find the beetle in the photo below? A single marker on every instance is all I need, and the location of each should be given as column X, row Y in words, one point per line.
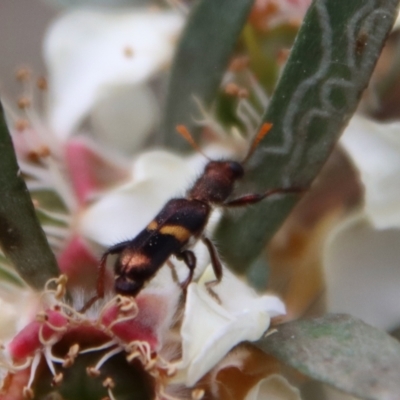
column 179, row 225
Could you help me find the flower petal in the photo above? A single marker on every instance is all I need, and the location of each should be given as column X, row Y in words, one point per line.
column 362, row 272
column 123, row 119
column 210, row 329
column 375, row 150
column 88, row 49
column 90, row 172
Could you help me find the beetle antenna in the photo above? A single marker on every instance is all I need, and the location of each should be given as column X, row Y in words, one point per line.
column 184, row 132
column 265, row 128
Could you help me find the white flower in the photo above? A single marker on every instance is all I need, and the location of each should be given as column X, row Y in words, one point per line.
column 211, row 329
column 89, row 53
column 361, row 256
column 375, row 150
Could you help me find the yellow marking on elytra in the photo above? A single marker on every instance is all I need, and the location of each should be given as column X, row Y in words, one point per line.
column 178, row 232
column 132, row 260
column 152, row 226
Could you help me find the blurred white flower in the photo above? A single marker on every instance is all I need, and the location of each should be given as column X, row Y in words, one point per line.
column 375, row 150
column 361, row 255
column 214, row 324
column 362, row 272
column 91, row 54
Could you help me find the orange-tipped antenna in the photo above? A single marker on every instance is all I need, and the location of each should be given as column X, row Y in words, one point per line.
column 265, row 128
column 183, row 131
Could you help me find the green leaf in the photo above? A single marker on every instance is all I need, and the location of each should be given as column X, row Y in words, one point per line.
column 341, row 351
column 201, row 60
column 329, row 67
column 21, row 236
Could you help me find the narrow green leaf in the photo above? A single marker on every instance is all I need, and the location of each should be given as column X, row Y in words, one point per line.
column 329, row 67
column 341, row 351
column 201, row 60
column 21, row 236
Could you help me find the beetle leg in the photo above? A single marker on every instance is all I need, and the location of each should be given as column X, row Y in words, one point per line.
column 255, row 198
column 188, row 257
column 101, row 271
column 216, row 264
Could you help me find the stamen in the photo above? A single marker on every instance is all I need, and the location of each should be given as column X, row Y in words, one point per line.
column 251, row 111
column 60, row 291
column 258, row 91
column 16, row 368
column 123, row 319
column 50, row 359
column 231, row 89
column 104, row 346
column 52, row 338
column 110, row 303
column 36, row 172
column 57, row 379
column 60, row 280
column 92, row 372
column 170, row 367
column 243, row 93
column 73, row 352
column 108, row 383
column 41, row 316
column 34, row 365
column 61, row 185
column 238, row 64
column 27, row 393
column 270, row 332
column 142, row 351
column 72, row 311
column 126, row 304
column 208, row 119
column 106, row 357
column 244, row 118
column 59, row 217
column 56, row 231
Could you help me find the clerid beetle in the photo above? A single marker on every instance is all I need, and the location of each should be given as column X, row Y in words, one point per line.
column 179, row 225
